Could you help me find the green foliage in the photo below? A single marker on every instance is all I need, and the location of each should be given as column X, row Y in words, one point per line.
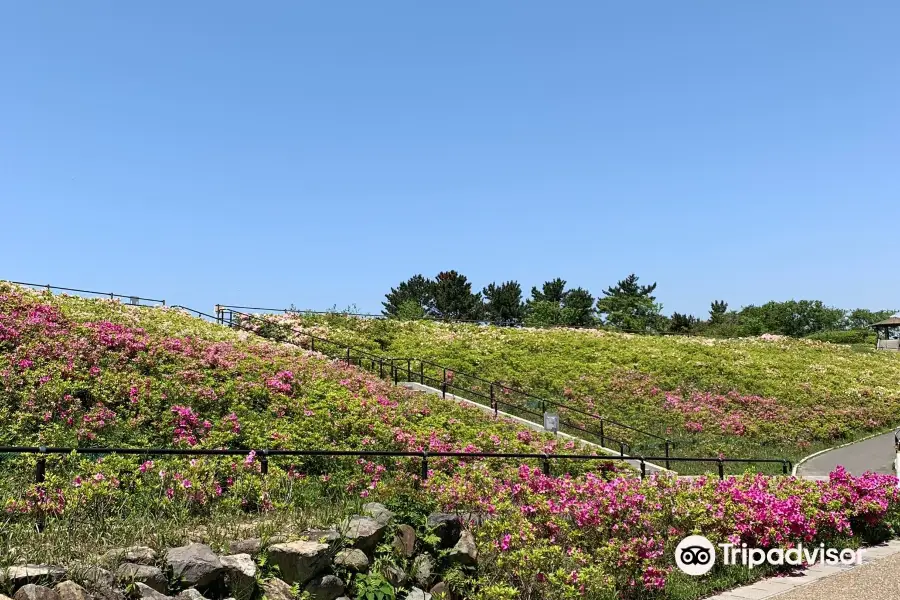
column 453, row 298
column 374, row 586
column 552, row 291
column 417, row 290
column 717, row 310
column 544, row 314
column 680, row 323
column 503, row 303
column 630, row 307
column 796, row 318
column 850, row 336
column 862, row 318
column 578, row 308
column 409, row 310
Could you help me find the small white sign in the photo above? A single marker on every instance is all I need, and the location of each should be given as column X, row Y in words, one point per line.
column 551, row 422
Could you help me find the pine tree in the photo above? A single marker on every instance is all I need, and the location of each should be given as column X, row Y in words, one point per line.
column 454, row 300
column 503, row 303
column 417, row 289
column 631, row 307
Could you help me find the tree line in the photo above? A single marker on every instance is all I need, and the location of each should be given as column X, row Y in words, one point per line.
column 626, row 306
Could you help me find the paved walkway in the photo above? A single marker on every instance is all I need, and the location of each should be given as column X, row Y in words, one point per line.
column 878, row 578
column 875, row 454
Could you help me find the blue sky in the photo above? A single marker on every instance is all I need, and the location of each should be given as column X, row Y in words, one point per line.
column 319, row 153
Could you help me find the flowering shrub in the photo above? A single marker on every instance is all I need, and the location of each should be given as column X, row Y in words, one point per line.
column 762, row 396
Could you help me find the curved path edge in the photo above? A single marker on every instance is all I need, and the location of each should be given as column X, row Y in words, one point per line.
column 820, row 452
column 831, row 581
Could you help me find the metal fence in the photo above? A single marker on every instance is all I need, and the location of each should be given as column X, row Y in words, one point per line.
column 132, row 300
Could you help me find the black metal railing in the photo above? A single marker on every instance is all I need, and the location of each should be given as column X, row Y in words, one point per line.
column 264, row 454
column 481, row 390
column 132, row 300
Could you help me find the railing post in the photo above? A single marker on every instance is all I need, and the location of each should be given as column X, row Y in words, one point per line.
column 546, row 465
column 721, row 468
column 381, row 368
column 668, row 442
column 784, row 467
column 40, row 474
column 421, row 372
column 409, row 369
column 444, row 384
column 621, row 449
column 644, row 468
column 312, row 340
column 602, row 437
column 424, row 465
column 264, row 462
column 493, row 400
column 348, row 356
column 394, row 372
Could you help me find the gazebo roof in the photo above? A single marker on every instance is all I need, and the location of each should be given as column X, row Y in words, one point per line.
column 894, row 320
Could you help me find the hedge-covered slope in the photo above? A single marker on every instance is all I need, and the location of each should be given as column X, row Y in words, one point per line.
column 769, row 395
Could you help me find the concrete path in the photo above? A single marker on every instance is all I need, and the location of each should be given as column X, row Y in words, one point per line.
column 878, row 578
column 875, row 454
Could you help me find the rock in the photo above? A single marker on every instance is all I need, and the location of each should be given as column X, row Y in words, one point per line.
column 440, row 591
column 352, row 559
column 465, row 552
column 30, row 591
column 92, row 576
column 250, row 546
column 19, row 575
column 423, row 567
column 150, row 576
column 446, row 526
column 324, row 536
column 148, row 593
column 395, row 575
column 405, row 541
column 190, row 594
column 194, row 565
column 139, row 555
column 276, row 589
column 364, row 533
column 299, row 562
column 69, row 590
column 417, row 594
column 240, row 575
column 327, row 587
column 378, row 512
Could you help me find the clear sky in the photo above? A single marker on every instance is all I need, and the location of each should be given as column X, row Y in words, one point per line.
column 318, row 153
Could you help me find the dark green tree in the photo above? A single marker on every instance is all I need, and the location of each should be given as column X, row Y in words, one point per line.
column 717, row 310
column 551, row 291
column 417, row 289
column 543, row 314
column 503, row 303
column 630, row 306
column 578, row 308
column 862, row 318
column 454, row 300
column 795, row 318
column 680, row 323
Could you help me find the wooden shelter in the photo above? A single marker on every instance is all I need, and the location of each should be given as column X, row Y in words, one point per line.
column 888, row 333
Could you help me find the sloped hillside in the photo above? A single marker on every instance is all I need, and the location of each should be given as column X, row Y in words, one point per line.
column 748, row 397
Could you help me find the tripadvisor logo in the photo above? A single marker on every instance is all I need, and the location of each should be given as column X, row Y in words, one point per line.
column 696, row 555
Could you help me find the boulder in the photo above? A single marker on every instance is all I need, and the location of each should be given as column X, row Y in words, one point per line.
column 251, row 546
column 465, row 552
column 240, row 575
column 299, row 562
column 30, row 591
column 352, row 559
column 440, row 591
column 327, row 587
column 423, row 568
column 378, row 512
column 190, row 594
column 148, row 593
column 332, row 537
column 394, row 575
column 276, row 589
column 417, row 594
column 194, row 565
column 18, row 575
column 92, row 576
column 150, row 576
column 69, row 590
column 405, row 541
column 446, row 526
column 139, row 555
column 364, row 533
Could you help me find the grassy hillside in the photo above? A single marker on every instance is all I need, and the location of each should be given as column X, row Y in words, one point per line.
column 86, row 373
column 747, row 397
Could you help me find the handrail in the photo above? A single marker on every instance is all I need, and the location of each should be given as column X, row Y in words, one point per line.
column 220, row 309
column 111, row 295
column 265, row 453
